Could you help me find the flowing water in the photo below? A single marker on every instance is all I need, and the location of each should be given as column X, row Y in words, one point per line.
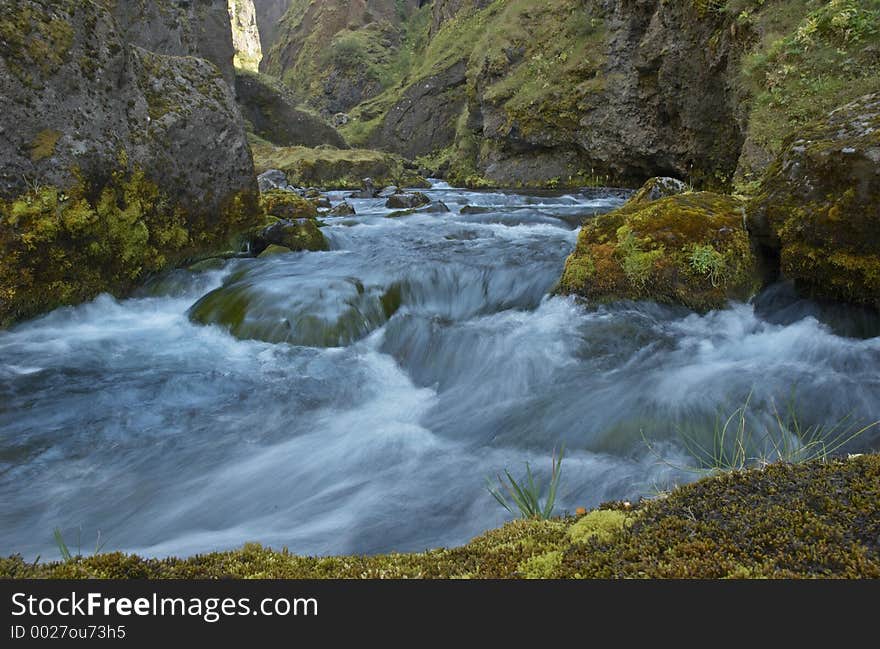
column 356, row 400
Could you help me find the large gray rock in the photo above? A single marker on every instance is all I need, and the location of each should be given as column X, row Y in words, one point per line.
column 86, row 116
column 199, row 28
column 271, row 110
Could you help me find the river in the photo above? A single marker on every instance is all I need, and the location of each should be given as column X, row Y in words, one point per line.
column 368, row 391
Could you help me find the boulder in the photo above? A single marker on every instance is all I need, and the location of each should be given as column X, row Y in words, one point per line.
column 407, row 201
column 368, row 190
column 436, row 207
column 273, row 250
column 389, row 191
column 274, row 179
column 817, row 214
column 342, row 209
column 295, row 235
column 116, row 161
column 659, row 187
column 689, row 249
column 287, row 205
column 321, row 202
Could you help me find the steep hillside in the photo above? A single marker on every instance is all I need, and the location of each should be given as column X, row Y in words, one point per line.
column 336, row 54
column 512, row 92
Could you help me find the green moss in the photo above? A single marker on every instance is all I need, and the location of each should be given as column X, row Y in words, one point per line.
column 602, row 525
column 689, row 249
column 820, row 519
column 273, row 250
column 34, row 38
column 542, row 566
column 43, row 145
column 287, row 205
column 61, row 247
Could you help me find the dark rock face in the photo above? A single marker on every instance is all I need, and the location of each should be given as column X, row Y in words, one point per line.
column 407, row 201
column 271, row 110
column 197, row 28
column 269, row 14
column 818, row 211
column 650, row 95
column 424, row 120
column 86, row 115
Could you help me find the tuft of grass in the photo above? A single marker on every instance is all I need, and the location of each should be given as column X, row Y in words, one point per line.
column 66, row 554
column 525, row 495
column 736, row 445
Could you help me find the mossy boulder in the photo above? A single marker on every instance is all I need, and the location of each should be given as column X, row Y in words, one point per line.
column 299, row 235
column 818, row 209
column 658, row 187
column 287, row 205
column 407, row 201
column 689, row 249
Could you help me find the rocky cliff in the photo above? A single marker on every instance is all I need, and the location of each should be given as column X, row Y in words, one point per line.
column 245, row 35
column 269, row 14
column 117, row 160
column 512, row 92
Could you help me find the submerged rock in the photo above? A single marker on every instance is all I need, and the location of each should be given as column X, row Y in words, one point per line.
column 436, row 207
column 389, row 191
column 407, row 201
column 273, row 250
column 689, row 249
column 818, row 211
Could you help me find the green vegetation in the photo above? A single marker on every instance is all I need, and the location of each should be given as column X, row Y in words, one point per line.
column 812, row 57
column 65, row 246
column 739, row 443
column 814, row 519
column 526, row 495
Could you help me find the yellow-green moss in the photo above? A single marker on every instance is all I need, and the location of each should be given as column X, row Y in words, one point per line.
column 287, row 205
column 64, row 246
column 33, row 38
column 689, row 249
column 542, row 566
column 43, row 145
column 602, row 525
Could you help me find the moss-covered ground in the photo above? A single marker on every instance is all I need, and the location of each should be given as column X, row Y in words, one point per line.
column 817, row 519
